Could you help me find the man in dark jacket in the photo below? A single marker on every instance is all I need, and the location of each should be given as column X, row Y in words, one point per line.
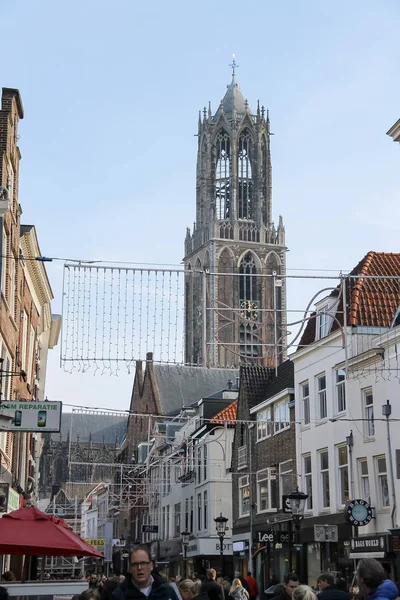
column 210, row 587
column 326, row 584
column 290, row 583
column 141, row 583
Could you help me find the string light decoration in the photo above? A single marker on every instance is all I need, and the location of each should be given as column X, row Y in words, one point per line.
column 115, row 315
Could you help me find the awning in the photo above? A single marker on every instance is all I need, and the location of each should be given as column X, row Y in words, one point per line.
column 367, row 555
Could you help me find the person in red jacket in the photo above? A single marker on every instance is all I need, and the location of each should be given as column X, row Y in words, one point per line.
column 253, row 587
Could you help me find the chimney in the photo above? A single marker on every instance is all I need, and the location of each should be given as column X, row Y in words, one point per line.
column 149, row 357
column 229, row 384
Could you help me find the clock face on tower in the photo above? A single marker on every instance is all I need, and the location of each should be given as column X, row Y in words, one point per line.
column 358, row 512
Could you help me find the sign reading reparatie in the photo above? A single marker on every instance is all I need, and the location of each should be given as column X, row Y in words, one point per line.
column 27, row 415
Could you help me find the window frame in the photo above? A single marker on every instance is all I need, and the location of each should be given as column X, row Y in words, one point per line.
column 242, row 458
column 380, row 475
column 308, row 482
column 284, row 470
column 199, row 513
column 244, row 484
column 340, row 391
column 267, row 475
column 323, row 477
column 281, row 424
column 321, row 394
column 368, row 413
column 364, row 477
column 264, row 424
column 205, row 509
column 324, row 321
column 305, row 403
column 343, row 469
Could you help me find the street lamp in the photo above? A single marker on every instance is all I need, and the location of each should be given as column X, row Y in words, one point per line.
column 221, row 522
column 297, row 504
column 185, row 535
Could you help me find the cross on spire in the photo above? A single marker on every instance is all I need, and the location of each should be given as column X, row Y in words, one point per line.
column 233, row 65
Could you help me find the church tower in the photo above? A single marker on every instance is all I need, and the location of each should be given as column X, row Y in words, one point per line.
column 235, row 290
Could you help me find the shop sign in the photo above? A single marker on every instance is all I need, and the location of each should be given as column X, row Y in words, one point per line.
column 168, row 549
column 13, row 500
column 273, row 537
column 149, row 528
column 286, row 504
column 326, row 533
column 32, row 416
column 96, row 542
column 205, row 547
column 371, row 543
column 358, row 512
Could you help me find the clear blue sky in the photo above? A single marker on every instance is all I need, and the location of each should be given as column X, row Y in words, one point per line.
column 111, row 92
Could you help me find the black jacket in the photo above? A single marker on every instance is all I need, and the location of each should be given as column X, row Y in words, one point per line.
column 282, row 595
column 159, row 591
column 213, row 590
column 333, row 593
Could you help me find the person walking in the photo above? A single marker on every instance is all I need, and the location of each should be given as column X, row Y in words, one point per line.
column 290, row 583
column 303, row 592
column 141, row 583
column 329, row 591
column 253, row 587
column 189, row 590
column 93, row 582
column 237, row 591
column 210, row 587
column 372, row 583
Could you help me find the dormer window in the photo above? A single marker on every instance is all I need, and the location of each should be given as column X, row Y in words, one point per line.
column 324, row 321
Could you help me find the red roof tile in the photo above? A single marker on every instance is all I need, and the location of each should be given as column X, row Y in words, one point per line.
column 227, row 415
column 371, row 302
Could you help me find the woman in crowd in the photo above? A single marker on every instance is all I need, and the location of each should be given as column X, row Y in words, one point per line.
column 189, row 589
column 303, row 592
column 237, row 591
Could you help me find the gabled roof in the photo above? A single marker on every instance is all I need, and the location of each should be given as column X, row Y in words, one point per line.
column 227, row 415
column 370, row 302
column 253, row 383
column 179, row 386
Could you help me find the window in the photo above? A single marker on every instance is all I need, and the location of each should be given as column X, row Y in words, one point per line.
column 324, row 478
column 321, row 397
column 308, row 480
column 222, row 176
column 163, row 524
column 264, row 427
column 323, row 323
column 266, row 490
column 343, row 466
column 369, row 424
column 167, row 529
column 10, row 184
column 382, row 481
column 205, row 510
column 340, row 390
column 13, row 269
column 199, row 512
column 177, row 519
column 205, row 456
column 286, row 478
column 281, row 415
column 7, row 366
column 245, row 184
column 305, row 400
column 242, row 457
column 250, row 304
column 4, row 261
column 244, row 496
column 365, row 492
column 199, row 465
column 187, row 514
column 191, row 514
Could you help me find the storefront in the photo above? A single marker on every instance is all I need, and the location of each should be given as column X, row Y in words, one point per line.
column 170, row 558
column 275, row 553
column 240, row 551
column 204, row 553
column 378, row 546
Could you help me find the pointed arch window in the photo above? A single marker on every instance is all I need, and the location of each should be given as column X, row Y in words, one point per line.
column 222, row 176
column 250, row 306
column 245, row 176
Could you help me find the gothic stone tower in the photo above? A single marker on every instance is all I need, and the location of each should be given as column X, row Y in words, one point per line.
column 235, row 295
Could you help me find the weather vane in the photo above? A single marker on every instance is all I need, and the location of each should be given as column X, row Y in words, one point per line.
column 234, row 65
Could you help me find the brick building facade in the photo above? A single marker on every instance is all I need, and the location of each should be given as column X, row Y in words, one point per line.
column 27, row 328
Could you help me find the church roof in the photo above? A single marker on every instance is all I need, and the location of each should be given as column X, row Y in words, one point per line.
column 180, row 386
column 233, row 101
column 99, row 426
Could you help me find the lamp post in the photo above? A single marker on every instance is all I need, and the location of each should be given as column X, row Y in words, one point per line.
column 297, row 503
column 185, row 535
column 221, row 529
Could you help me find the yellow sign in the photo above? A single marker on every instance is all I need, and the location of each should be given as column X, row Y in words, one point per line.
column 98, row 542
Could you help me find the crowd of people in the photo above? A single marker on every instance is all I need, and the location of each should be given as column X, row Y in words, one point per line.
column 143, row 582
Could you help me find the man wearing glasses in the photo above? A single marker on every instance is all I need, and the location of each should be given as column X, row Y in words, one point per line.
column 143, row 583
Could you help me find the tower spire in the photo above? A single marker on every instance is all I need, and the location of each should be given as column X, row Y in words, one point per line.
column 233, row 66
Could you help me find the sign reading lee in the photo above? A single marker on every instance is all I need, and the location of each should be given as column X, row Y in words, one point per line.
column 32, row 416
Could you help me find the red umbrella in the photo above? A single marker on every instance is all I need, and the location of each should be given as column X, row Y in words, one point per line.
column 32, row 532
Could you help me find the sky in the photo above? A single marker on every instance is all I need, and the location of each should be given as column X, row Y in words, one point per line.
column 111, row 93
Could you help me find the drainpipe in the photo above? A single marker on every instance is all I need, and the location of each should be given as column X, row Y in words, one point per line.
column 387, row 411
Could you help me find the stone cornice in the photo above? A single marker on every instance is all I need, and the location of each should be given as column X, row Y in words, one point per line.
column 35, row 269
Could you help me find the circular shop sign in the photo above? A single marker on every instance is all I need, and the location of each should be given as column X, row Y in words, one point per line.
column 358, row 512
